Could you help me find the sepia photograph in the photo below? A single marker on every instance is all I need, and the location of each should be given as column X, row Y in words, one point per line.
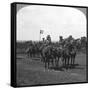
column 51, row 44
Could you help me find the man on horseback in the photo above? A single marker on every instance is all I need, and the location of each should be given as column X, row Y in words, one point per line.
column 46, row 51
column 48, row 39
column 72, row 48
column 61, row 42
column 69, row 43
column 69, row 51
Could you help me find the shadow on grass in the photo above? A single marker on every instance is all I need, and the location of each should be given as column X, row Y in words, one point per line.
column 57, row 68
column 62, row 68
column 76, row 66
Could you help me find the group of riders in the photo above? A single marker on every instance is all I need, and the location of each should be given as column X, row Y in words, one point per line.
column 52, row 53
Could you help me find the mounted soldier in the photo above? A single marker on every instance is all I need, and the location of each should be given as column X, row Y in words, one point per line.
column 72, row 48
column 69, row 42
column 48, row 40
column 61, row 41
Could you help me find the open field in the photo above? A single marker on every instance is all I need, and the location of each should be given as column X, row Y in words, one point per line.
column 32, row 72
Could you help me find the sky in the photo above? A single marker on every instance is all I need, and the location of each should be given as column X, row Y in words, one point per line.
column 54, row 21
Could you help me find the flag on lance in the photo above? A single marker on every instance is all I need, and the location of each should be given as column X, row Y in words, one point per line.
column 41, row 31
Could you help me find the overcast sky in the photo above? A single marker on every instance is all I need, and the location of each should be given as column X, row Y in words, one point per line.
column 55, row 21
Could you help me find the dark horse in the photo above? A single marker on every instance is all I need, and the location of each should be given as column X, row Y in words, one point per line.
column 69, row 54
column 65, row 57
column 72, row 49
column 33, row 51
column 72, row 56
column 57, row 54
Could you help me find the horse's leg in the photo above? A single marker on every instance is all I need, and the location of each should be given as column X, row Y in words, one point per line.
column 55, row 61
column 52, row 62
column 48, row 63
column 42, row 59
column 45, row 63
column 58, row 62
column 41, row 56
column 31, row 54
column 68, row 61
column 73, row 59
column 65, row 62
column 27, row 54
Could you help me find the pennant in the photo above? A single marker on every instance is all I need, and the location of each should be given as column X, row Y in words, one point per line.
column 41, row 31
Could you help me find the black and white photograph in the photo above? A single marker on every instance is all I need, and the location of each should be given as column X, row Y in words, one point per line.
column 51, row 44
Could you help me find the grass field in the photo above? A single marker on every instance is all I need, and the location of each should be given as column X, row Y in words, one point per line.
column 32, row 72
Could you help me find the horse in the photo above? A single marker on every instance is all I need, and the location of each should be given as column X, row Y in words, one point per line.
column 72, row 56
column 69, row 53
column 31, row 51
column 47, row 56
column 66, row 57
column 57, row 54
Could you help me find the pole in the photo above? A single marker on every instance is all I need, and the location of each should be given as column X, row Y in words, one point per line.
column 40, row 37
